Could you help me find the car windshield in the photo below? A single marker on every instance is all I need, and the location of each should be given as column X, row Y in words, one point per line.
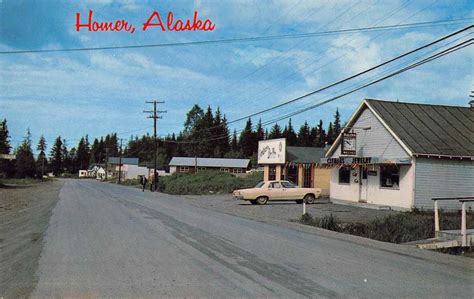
column 288, row 184
column 259, row 184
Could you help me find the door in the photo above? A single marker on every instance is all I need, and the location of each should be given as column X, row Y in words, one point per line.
column 290, row 191
column 275, row 191
column 363, row 183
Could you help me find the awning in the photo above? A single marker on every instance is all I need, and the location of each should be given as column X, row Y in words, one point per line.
column 343, row 161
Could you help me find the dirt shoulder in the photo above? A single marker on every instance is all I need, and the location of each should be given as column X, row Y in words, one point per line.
column 24, row 217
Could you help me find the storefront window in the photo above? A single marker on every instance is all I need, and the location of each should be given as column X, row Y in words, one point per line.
column 344, row 175
column 272, row 173
column 389, row 176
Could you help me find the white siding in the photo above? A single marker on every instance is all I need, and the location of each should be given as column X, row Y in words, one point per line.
column 376, row 142
column 443, row 178
column 402, row 197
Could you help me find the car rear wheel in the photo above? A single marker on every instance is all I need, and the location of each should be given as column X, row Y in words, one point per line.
column 309, row 198
column 262, row 200
column 254, row 202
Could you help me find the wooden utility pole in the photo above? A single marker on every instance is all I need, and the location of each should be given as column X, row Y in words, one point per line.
column 154, row 115
column 120, row 163
column 106, row 162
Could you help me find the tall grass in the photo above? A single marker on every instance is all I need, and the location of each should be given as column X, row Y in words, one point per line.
column 395, row 228
column 206, row 182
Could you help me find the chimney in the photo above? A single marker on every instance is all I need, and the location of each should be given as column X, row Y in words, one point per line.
column 471, row 103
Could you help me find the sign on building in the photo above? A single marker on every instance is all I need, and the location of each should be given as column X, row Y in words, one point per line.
column 348, row 145
column 272, row 151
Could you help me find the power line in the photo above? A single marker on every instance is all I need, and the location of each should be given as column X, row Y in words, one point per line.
column 377, row 22
column 347, row 78
column 252, row 39
column 435, row 56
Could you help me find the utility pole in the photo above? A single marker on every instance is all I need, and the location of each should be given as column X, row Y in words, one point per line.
column 154, row 115
column 106, row 162
column 120, row 163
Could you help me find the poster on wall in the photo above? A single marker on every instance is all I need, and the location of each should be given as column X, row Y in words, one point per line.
column 272, row 151
column 348, row 145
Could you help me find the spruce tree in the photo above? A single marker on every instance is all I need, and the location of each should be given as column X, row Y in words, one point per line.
column 25, row 161
column 321, row 135
column 41, row 160
column 304, row 135
column 7, row 167
column 234, row 143
column 56, row 156
column 259, row 133
column 83, row 153
column 67, row 161
column 247, row 140
column 275, row 132
column 330, row 135
column 337, row 124
column 290, row 135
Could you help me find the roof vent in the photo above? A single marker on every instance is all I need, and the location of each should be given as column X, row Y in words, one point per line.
column 471, row 103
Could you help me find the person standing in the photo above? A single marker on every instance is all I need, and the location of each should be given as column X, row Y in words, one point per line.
column 143, row 181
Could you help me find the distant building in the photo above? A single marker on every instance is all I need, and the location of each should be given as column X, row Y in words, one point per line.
column 300, row 165
column 403, row 155
column 129, row 168
column 191, row 165
column 100, row 174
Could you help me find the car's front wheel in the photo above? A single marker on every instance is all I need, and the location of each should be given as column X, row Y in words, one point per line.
column 262, row 200
column 309, row 198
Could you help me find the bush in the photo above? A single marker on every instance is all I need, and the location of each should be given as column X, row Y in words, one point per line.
column 307, row 219
column 397, row 228
column 401, row 228
column 329, row 222
column 206, row 182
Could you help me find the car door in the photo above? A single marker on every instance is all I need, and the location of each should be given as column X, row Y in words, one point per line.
column 291, row 191
column 275, row 191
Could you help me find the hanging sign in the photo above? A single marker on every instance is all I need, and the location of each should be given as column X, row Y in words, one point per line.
column 348, row 145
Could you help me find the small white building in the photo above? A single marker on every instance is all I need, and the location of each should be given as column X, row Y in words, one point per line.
column 100, row 174
column 404, row 154
column 130, row 171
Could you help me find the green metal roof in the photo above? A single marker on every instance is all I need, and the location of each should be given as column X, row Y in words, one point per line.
column 304, row 154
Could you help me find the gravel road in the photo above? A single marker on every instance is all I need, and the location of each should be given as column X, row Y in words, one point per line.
column 112, row 241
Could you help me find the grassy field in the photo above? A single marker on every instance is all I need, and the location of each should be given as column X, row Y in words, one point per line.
column 398, row 228
column 21, row 182
column 207, row 182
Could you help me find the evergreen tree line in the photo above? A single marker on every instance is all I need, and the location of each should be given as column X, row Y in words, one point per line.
column 60, row 159
column 201, row 136
column 202, row 131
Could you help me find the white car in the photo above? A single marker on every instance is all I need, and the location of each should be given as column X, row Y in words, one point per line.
column 277, row 190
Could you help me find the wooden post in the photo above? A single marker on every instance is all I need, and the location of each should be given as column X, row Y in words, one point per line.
column 463, row 225
column 300, row 175
column 278, row 172
column 436, row 218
